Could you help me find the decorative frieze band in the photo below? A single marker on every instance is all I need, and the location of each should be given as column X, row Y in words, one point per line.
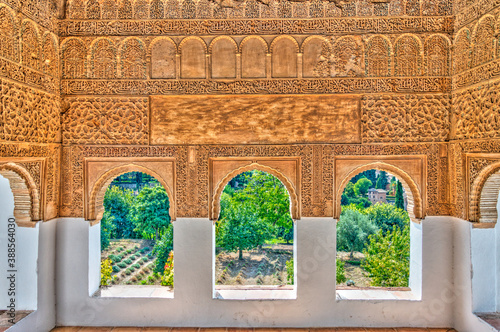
column 274, row 86
column 256, row 26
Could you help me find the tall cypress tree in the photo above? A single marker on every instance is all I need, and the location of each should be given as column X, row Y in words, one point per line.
column 381, row 181
column 400, row 202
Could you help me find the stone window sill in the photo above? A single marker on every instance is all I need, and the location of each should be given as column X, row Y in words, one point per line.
column 255, row 293
column 136, row 291
column 371, row 293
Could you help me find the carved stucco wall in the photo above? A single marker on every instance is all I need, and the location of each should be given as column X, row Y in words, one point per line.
column 396, row 57
column 474, row 115
column 30, row 108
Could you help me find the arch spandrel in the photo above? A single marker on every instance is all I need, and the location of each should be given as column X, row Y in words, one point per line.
column 405, row 170
column 100, row 174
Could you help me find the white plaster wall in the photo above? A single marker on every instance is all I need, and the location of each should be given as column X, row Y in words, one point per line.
column 464, row 319
column 36, row 273
column 194, row 305
column 94, row 258
column 484, row 268
column 44, row 318
column 415, row 281
column 26, row 250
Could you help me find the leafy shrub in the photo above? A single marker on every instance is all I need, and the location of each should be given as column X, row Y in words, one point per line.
column 146, row 269
column 132, row 269
column 145, row 249
column 106, row 270
column 145, row 259
column 137, row 266
column 387, row 216
column 388, row 258
column 112, row 257
column 139, row 277
column 128, row 261
column 353, row 230
column 162, row 248
column 151, row 279
column 136, row 248
column 289, row 272
column 122, row 265
column 128, row 272
column 168, row 273
column 116, row 269
column 133, row 279
column 144, row 282
column 129, row 251
column 119, row 249
column 340, row 271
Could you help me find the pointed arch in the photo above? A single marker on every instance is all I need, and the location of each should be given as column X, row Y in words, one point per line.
column 413, row 193
column 96, row 197
column 27, row 199
column 294, row 202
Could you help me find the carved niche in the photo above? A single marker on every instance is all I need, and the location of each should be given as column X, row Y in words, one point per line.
column 163, row 58
column 8, row 33
column 223, row 57
column 253, row 57
column 284, row 51
column 193, row 57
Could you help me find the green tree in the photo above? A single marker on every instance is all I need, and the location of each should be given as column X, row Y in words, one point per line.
column 387, row 216
column 353, row 229
column 370, row 174
column 118, row 203
column 400, row 202
column 268, row 196
column 381, row 181
column 340, row 271
column 388, row 258
column 107, row 229
column 163, row 247
column 150, row 212
column 240, row 228
column 361, row 186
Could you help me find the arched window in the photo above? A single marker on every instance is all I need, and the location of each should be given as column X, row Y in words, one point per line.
column 374, row 236
column 136, row 235
column 254, row 239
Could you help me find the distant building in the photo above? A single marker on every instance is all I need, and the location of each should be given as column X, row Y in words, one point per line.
column 377, row 196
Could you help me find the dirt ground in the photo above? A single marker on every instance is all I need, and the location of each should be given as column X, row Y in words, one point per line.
column 354, row 272
column 141, row 262
column 266, row 266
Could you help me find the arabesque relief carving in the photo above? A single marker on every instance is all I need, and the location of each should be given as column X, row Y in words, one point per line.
column 106, row 121
column 410, row 118
column 188, row 9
